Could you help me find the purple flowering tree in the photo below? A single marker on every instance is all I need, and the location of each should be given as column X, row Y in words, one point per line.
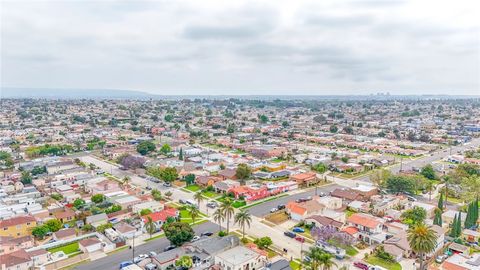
column 330, row 234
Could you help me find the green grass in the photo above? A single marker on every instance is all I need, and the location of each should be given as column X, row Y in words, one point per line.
column 276, row 160
column 349, row 212
column 385, row 264
column 192, row 188
column 351, row 251
column 155, row 237
column 118, row 249
column 67, row 249
column 294, row 265
column 210, row 194
column 238, row 204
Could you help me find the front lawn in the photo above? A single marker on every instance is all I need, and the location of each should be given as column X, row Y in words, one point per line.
column 351, row 251
column 385, row 264
column 192, row 188
column 67, row 249
column 238, row 204
column 210, row 194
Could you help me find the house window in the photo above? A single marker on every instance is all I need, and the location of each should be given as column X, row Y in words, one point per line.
column 28, row 223
column 5, row 228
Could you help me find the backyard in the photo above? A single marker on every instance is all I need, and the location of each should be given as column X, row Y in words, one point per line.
column 67, row 249
column 192, row 188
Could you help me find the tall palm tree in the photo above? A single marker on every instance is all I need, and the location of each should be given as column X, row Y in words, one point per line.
column 243, row 218
column 314, row 253
column 326, row 260
column 219, row 216
column 199, row 198
column 194, row 212
column 228, row 211
column 422, row 240
column 125, row 181
column 150, row 226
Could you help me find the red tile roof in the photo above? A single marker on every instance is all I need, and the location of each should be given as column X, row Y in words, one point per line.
column 16, row 221
column 161, row 215
column 364, row 220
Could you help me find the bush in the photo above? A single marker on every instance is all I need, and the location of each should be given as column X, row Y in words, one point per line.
column 222, row 233
column 244, row 240
column 380, row 253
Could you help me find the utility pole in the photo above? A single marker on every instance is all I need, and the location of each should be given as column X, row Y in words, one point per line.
column 401, row 164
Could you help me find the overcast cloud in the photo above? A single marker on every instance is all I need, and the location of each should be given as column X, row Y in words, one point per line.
column 243, row 47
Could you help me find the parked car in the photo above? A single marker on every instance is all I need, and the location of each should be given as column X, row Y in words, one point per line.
column 181, row 201
column 376, row 267
column 206, row 234
column 167, row 248
column 152, row 254
column 281, row 206
column 290, row 234
column 167, row 184
column 300, row 239
column 360, row 265
column 195, row 238
column 212, row 204
column 125, row 264
column 298, row 230
column 322, row 194
column 151, row 266
column 273, row 210
column 440, row 258
column 137, row 259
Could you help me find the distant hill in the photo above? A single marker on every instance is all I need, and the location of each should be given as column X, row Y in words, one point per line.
column 50, row 93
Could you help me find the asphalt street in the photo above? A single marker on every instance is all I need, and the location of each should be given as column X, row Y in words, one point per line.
column 112, row 261
column 262, row 209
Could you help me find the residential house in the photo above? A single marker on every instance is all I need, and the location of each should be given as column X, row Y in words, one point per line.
column 16, row 260
column 10, row 244
column 240, row 257
column 64, row 215
column 305, row 179
column 320, row 221
column 90, row 245
column 250, row 193
column 39, row 256
column 370, row 228
column 225, row 185
column 160, row 217
column 300, row 210
column 97, row 220
column 64, row 234
column 17, row 226
column 205, row 181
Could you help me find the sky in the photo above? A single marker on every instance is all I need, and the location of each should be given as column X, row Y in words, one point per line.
column 327, row 47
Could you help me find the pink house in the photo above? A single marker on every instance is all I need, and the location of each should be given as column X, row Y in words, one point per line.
column 250, row 193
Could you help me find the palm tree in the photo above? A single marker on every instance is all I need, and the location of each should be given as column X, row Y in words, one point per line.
column 326, row 260
column 125, row 180
column 194, row 212
column 150, row 226
column 314, row 253
column 422, row 240
column 219, row 216
column 228, row 211
column 243, row 218
column 199, row 198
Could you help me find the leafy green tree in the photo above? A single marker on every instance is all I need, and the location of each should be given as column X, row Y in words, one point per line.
column 98, row 198
column 243, row 218
column 263, row 118
column 26, row 178
column 263, row 242
column 178, row 232
column 168, row 118
column 166, row 149
column 145, row 147
column 380, row 176
column 422, row 240
column 169, row 174
column 40, row 231
column 190, row 179
column 428, row 172
column 320, row 167
column 243, row 171
column 185, row 262
column 78, row 203
column 414, row 216
column 53, row 225
column 180, row 154
column 326, row 260
column 145, row 211
column 103, row 227
column 315, row 254
column 333, row 129
column 470, row 187
column 399, row 183
column 437, row 220
column 440, row 202
column 114, row 208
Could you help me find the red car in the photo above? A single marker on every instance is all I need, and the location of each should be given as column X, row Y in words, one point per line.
column 300, row 239
column 360, row 265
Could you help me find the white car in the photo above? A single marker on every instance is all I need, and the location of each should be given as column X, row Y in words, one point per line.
column 152, row 254
column 195, row 238
column 273, row 210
